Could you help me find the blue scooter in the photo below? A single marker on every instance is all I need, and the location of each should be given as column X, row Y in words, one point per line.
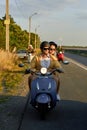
column 43, row 93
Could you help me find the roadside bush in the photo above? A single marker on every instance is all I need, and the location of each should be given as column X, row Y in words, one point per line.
column 10, row 73
column 8, row 60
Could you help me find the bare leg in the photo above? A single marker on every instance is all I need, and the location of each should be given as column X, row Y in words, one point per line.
column 30, row 78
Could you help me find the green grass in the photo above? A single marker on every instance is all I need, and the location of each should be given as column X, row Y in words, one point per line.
column 10, row 83
column 10, row 80
column 11, row 75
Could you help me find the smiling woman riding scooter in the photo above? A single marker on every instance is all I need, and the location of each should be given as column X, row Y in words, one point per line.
column 44, row 59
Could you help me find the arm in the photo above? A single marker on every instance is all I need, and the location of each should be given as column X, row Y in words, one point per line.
column 33, row 63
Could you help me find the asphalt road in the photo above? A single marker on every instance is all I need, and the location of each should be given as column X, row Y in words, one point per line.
column 78, row 58
column 71, row 112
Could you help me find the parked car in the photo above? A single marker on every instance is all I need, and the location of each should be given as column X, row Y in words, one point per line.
column 22, row 53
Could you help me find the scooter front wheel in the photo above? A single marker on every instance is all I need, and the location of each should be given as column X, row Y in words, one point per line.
column 43, row 111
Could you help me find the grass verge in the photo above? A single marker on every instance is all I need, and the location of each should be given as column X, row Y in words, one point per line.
column 10, row 75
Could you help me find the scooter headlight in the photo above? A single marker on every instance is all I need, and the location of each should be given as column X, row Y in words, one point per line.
column 43, row 70
column 60, row 52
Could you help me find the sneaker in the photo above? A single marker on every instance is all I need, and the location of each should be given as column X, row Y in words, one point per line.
column 58, row 97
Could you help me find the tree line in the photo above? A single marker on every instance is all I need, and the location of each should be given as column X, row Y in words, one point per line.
column 17, row 37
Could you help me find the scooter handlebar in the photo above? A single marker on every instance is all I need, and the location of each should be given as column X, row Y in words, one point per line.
column 28, row 71
column 59, row 70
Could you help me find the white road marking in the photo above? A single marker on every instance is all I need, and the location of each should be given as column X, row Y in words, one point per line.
column 77, row 63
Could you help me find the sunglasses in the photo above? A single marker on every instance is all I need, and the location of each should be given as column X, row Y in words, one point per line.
column 52, row 49
column 45, row 48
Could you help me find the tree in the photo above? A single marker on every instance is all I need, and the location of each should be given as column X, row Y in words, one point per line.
column 2, row 35
column 18, row 38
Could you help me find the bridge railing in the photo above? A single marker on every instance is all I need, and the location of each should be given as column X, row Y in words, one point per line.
column 79, row 51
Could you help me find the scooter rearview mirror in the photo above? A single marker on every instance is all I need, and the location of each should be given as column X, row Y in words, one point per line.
column 21, row 65
column 27, row 71
column 65, row 62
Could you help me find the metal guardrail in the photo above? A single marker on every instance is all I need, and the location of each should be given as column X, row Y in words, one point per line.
column 79, row 51
column 77, row 48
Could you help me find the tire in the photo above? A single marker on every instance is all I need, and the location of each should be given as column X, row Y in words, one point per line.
column 43, row 111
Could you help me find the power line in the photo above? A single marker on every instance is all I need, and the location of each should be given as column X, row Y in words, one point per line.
column 16, row 2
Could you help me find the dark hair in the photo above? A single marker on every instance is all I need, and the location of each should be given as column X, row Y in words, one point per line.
column 44, row 44
column 53, row 43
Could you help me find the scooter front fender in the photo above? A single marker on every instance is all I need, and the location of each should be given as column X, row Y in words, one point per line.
column 43, row 98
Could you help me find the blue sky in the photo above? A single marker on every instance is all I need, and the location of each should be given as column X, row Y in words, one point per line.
column 62, row 21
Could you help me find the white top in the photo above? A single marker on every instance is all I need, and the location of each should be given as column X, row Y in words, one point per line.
column 45, row 62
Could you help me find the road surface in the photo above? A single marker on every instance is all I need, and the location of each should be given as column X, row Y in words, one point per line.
column 78, row 58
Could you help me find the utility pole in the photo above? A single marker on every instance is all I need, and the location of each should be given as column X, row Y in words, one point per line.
column 7, row 22
column 30, row 28
column 36, row 36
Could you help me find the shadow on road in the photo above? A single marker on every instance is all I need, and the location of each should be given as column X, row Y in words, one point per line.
column 67, row 115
